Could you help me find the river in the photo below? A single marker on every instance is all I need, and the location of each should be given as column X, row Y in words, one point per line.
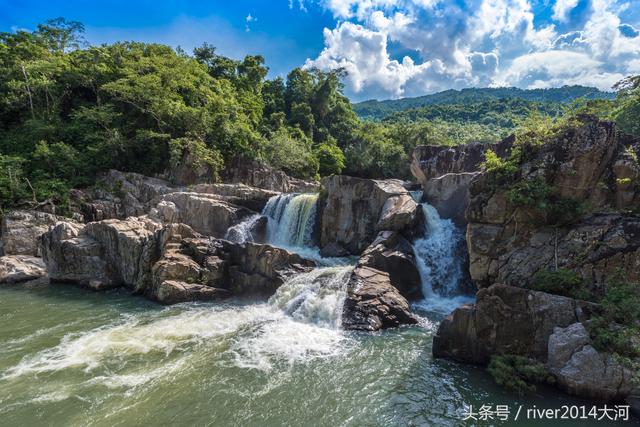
column 73, row 357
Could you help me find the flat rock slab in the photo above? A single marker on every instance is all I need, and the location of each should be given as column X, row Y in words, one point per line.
column 21, row 268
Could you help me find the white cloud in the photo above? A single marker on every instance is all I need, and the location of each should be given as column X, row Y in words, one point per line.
column 562, row 8
column 475, row 43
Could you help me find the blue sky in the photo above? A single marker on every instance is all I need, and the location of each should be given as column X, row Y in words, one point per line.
column 390, row 48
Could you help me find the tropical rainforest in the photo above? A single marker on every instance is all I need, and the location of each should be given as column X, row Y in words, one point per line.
column 70, row 110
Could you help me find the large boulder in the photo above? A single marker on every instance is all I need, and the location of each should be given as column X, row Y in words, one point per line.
column 449, row 194
column 393, row 254
column 582, row 371
column 20, row 231
column 20, row 268
column 373, row 303
column 205, row 213
column 505, row 320
column 259, row 175
column 353, row 210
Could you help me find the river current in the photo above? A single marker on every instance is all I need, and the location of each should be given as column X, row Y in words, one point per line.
column 73, row 357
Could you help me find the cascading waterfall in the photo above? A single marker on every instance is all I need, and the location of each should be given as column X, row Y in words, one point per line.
column 291, row 218
column 241, row 232
column 437, row 253
column 315, row 297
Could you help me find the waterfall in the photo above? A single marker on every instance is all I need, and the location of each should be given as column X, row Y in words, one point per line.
column 438, row 255
column 315, row 297
column 290, row 219
column 241, row 232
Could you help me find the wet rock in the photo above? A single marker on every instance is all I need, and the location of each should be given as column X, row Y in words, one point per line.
column 393, row 254
column 372, row 303
column 21, row 268
column 506, row 320
column 582, row 371
column 20, row 231
column 353, row 210
column 174, row 292
column 333, row 249
column 449, row 194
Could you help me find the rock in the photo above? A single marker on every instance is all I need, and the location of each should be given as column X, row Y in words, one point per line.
column 433, row 161
column 582, row 371
column 174, row 291
column 596, row 247
column 353, row 210
column 255, row 174
column 205, row 213
column 20, row 231
column 509, row 244
column 372, row 303
column 103, row 254
column 333, row 249
column 119, row 195
column 258, row 269
column 72, row 256
column 238, row 194
column 21, row 268
column 190, row 169
column 505, row 320
column 393, row 254
column 449, row 195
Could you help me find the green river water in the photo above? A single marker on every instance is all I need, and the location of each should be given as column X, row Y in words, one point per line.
column 76, row 358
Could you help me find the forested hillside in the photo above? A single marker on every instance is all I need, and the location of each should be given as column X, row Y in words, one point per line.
column 377, row 110
column 69, row 111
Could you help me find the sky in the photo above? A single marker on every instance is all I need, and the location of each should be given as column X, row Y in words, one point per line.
column 389, row 48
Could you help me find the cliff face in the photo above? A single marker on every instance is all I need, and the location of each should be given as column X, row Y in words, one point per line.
column 445, row 174
column 570, row 205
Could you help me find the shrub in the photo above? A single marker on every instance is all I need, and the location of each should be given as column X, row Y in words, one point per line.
column 518, row 374
column 563, row 282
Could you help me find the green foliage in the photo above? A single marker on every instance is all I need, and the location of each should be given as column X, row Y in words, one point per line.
column 627, row 109
column 617, row 329
column 330, row 158
column 380, row 109
column 292, row 152
column 537, row 195
column 518, row 374
column 503, row 170
column 563, row 282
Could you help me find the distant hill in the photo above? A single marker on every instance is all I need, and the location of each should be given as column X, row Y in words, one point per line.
column 378, row 110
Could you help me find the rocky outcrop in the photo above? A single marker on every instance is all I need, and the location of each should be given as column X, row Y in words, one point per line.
column 169, row 264
column 20, row 231
column 21, row 268
column 582, row 371
column 372, row 303
column 205, row 213
column 449, row 194
column 597, row 248
column 238, row 194
column 393, row 254
column 432, row 161
column 353, row 210
column 445, row 173
column 118, row 195
column 506, row 320
column 510, row 242
column 255, row 174
column 103, row 254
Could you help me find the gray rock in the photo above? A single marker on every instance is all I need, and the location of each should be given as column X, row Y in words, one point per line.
column 372, row 303
column 20, row 231
column 393, row 254
column 21, row 268
column 353, row 210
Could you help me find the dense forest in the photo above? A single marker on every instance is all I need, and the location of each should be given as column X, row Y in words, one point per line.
column 69, row 111
column 377, row 110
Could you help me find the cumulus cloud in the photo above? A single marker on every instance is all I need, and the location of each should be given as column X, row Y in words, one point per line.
column 476, row 43
column 562, row 8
